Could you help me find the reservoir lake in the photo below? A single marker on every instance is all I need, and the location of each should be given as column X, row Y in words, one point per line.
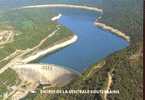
column 93, row 43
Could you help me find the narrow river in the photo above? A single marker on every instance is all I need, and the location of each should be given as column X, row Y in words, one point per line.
column 93, row 43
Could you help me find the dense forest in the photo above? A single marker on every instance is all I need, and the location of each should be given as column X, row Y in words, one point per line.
column 127, row 16
column 125, row 66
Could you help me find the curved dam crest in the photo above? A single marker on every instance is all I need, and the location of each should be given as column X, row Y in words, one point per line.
column 43, row 73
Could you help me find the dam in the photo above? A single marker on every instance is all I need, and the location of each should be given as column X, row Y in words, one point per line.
column 45, row 74
column 34, row 75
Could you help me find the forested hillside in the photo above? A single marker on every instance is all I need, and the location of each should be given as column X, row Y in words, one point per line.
column 127, row 16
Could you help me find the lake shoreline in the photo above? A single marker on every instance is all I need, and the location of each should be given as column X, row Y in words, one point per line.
column 50, row 49
column 63, row 5
column 112, row 30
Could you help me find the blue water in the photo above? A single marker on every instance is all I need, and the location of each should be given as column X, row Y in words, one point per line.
column 93, row 43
